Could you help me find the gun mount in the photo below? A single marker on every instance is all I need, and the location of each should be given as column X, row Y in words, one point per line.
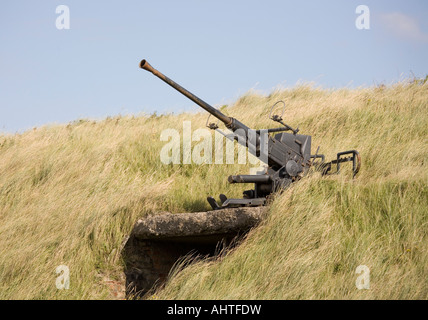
column 287, row 155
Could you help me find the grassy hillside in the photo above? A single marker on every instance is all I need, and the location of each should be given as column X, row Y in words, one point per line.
column 69, row 195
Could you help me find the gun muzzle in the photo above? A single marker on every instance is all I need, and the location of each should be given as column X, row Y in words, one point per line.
column 146, row 66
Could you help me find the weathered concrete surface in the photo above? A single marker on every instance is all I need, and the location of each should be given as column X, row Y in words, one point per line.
column 221, row 221
column 158, row 241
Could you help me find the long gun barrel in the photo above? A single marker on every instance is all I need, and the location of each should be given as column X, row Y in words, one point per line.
column 228, row 121
column 241, row 131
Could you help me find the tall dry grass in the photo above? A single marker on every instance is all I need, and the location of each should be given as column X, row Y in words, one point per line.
column 69, row 195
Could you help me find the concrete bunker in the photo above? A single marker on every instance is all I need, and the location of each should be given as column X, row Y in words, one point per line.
column 157, row 242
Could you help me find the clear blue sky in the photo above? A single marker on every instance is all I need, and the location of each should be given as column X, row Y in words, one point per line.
column 216, row 49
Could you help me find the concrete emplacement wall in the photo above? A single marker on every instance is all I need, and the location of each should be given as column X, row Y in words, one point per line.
column 157, row 242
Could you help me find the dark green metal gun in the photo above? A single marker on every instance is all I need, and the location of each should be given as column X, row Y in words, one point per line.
column 287, row 155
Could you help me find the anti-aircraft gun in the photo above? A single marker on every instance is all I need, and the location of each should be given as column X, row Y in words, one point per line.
column 287, row 155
